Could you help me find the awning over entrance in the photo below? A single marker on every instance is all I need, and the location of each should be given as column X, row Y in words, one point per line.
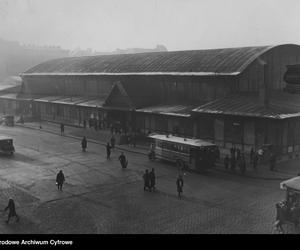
column 74, row 100
column 48, row 98
column 95, row 103
column 18, row 97
column 281, row 105
column 9, row 96
column 168, row 109
column 70, row 100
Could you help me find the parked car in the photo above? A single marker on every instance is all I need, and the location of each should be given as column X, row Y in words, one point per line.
column 6, row 145
column 9, row 120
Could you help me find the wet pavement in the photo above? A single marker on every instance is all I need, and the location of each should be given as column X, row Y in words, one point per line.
column 101, row 197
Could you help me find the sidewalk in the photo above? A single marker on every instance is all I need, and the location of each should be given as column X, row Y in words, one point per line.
column 284, row 170
column 99, row 137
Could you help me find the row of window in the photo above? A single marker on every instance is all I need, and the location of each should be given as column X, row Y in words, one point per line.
column 173, row 147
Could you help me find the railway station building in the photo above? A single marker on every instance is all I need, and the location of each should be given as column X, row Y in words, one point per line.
column 232, row 97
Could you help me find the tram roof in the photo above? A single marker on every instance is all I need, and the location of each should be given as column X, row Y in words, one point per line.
column 181, row 140
column 293, row 183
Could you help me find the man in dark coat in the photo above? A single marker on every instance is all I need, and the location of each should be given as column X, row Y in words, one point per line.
column 272, row 161
column 146, row 181
column 217, row 154
column 251, row 155
column 255, row 161
column 123, row 161
column 108, row 151
column 152, row 180
column 238, row 154
column 84, row 144
column 232, row 162
column 60, row 179
column 84, row 123
column 226, row 162
column 243, row 164
column 12, row 210
column 113, row 141
column 179, row 184
column 62, row 129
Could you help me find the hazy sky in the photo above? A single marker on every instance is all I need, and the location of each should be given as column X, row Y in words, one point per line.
column 178, row 24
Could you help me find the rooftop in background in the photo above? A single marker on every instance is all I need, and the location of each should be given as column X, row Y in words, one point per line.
column 11, row 84
column 228, row 61
column 281, row 105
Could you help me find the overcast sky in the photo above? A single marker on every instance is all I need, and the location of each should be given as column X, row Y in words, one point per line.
column 105, row 25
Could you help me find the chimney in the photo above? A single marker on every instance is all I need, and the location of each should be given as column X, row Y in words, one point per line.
column 263, row 87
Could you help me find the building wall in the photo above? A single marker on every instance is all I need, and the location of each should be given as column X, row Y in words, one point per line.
column 277, row 59
column 8, row 107
column 158, row 88
column 181, row 126
column 66, row 85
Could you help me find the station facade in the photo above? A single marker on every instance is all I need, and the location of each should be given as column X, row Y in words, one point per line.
column 232, row 97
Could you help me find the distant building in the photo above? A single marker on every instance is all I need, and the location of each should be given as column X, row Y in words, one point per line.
column 232, row 97
column 16, row 58
column 90, row 52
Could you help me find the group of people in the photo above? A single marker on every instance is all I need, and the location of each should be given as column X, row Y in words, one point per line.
column 237, row 159
column 149, row 180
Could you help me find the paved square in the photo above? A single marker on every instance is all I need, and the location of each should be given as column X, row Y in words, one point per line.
column 100, row 197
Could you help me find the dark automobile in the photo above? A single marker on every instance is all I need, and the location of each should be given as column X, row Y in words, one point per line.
column 6, row 145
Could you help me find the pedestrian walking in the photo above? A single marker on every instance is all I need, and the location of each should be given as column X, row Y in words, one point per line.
column 243, row 164
column 60, row 179
column 232, row 162
column 84, row 124
column 152, row 180
column 146, row 178
column 272, row 161
column 238, row 154
column 226, row 162
column 62, row 129
column 251, row 155
column 239, row 163
column 111, row 128
column 112, row 141
column 234, row 152
column 129, row 139
column 255, row 161
column 12, row 210
column 108, row 151
column 84, row 144
column 134, row 139
column 123, row 161
column 217, row 154
column 179, row 184
column 231, row 151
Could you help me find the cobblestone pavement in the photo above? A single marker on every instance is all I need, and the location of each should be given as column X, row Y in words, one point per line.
column 100, row 197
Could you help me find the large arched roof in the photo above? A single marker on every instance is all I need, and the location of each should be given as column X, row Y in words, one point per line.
column 229, row 61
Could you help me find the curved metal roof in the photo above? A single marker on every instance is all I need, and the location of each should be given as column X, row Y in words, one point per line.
column 229, row 61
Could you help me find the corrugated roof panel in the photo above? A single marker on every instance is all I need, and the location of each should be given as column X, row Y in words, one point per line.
column 249, row 105
column 222, row 61
column 168, row 109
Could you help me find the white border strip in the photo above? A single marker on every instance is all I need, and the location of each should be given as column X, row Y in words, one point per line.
column 132, row 73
